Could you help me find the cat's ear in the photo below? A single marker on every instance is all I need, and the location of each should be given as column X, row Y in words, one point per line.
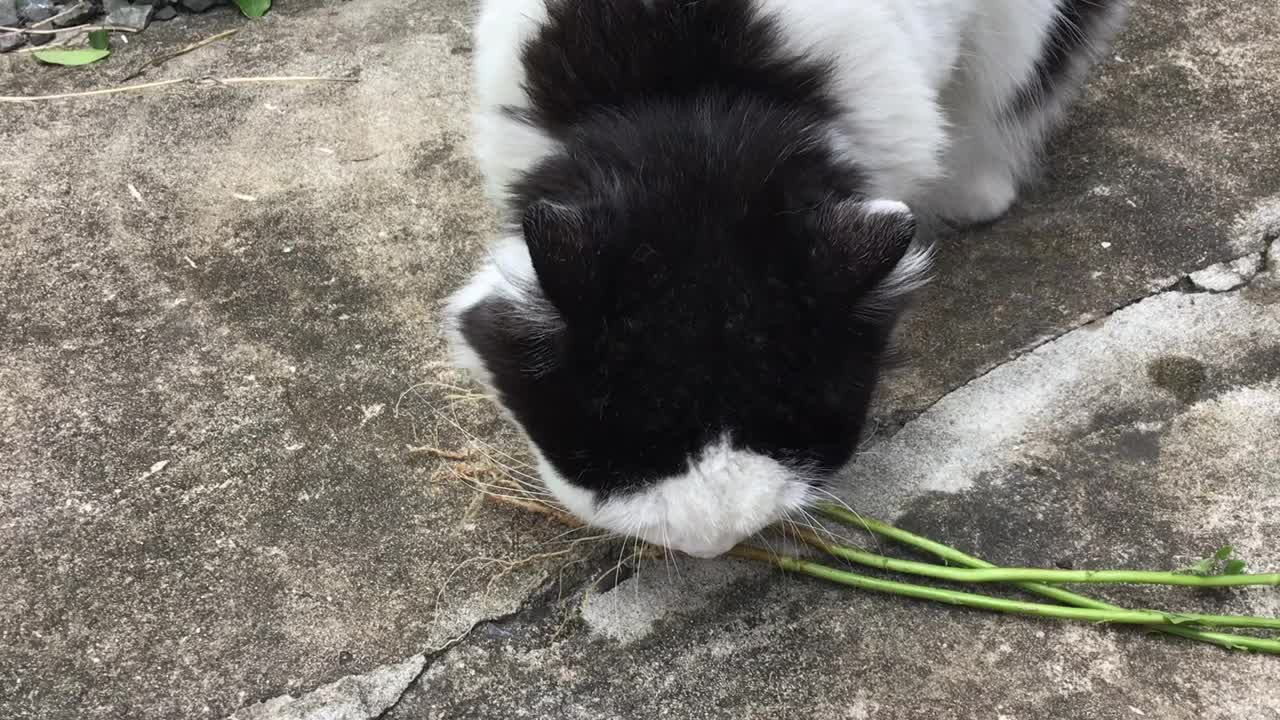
column 873, row 248
column 565, row 256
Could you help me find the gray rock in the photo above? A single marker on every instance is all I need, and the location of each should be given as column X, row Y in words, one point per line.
column 9, row 13
column 10, row 41
column 80, row 13
column 134, row 16
column 165, row 13
column 198, row 5
column 34, row 11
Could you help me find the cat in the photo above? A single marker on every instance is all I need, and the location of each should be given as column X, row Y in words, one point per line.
column 711, row 227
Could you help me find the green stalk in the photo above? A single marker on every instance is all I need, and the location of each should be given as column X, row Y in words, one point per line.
column 995, row 574
column 949, row 554
column 986, row 602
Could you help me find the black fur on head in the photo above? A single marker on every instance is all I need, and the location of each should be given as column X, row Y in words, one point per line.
column 714, row 273
column 706, row 266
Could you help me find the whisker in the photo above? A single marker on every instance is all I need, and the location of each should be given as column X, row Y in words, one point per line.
column 840, row 501
column 473, row 438
column 819, row 528
column 571, row 531
column 666, row 544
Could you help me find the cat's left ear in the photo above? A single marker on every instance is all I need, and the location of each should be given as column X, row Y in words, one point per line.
column 873, row 247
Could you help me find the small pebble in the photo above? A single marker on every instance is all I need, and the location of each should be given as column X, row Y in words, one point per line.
column 198, row 5
column 132, row 16
column 11, row 41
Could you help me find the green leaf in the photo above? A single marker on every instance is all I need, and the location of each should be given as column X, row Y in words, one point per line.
column 1223, row 553
column 98, row 40
column 71, row 57
column 1234, row 567
column 254, row 8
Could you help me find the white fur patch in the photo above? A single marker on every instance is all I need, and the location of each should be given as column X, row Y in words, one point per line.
column 503, row 146
column 508, row 274
column 910, row 274
column 886, row 207
column 889, row 57
column 725, row 496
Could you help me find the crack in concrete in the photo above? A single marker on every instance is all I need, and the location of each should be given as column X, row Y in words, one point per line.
column 353, row 697
column 550, row 593
column 311, row 706
column 1181, row 283
column 431, row 657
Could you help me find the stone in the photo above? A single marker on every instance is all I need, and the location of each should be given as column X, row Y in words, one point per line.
column 9, row 13
column 34, row 11
column 133, row 16
column 77, row 13
column 11, row 41
column 165, row 13
column 198, row 5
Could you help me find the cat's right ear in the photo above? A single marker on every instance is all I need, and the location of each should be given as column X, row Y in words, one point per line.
column 872, row 247
column 566, row 258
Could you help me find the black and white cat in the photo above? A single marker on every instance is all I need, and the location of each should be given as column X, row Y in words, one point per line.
column 711, row 227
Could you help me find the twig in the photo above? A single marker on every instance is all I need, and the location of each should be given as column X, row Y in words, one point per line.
column 87, row 93
column 540, row 508
column 78, row 29
column 454, row 455
column 175, row 81
column 72, row 33
column 284, row 78
column 154, row 62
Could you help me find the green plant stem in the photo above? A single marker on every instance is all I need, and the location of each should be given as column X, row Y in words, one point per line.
column 996, row 574
column 986, row 602
column 949, row 554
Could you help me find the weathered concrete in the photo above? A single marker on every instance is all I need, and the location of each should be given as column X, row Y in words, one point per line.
column 252, row 316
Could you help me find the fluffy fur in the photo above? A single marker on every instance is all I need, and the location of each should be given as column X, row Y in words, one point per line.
column 711, row 226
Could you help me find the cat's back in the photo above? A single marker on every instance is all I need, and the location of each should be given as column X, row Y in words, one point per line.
column 542, row 65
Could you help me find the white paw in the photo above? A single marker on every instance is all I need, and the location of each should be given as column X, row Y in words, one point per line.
column 974, row 200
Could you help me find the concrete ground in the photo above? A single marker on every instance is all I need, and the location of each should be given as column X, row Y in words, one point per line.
column 219, row 343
